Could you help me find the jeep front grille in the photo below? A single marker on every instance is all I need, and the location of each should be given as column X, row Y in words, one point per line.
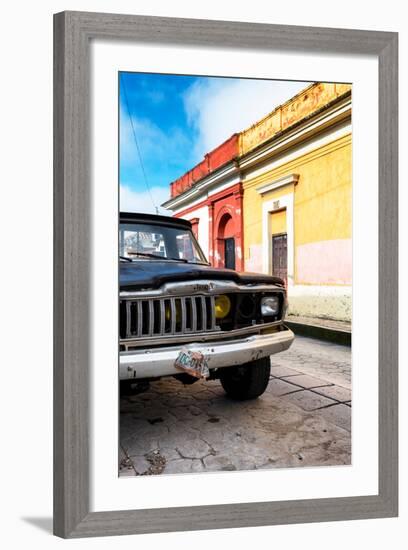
column 167, row 316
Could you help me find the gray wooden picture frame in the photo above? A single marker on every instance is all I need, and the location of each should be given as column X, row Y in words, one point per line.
column 72, row 205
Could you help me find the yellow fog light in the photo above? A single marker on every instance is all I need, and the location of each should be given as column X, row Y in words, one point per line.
column 222, row 306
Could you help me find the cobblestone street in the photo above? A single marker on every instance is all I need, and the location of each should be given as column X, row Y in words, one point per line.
column 303, row 419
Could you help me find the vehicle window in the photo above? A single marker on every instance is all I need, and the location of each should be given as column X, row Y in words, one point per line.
column 185, row 247
column 135, row 241
column 138, row 239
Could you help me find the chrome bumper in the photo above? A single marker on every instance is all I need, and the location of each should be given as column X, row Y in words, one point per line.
column 150, row 363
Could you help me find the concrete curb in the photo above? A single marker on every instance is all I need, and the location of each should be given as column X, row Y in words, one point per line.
column 337, row 336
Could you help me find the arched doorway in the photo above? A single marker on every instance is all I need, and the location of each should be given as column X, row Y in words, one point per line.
column 226, row 242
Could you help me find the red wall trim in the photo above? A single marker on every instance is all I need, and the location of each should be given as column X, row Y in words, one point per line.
column 228, row 202
column 211, row 199
column 213, row 160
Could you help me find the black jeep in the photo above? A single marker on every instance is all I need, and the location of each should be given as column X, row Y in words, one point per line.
column 181, row 317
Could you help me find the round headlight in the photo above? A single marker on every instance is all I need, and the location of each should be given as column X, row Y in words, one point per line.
column 222, row 306
column 270, row 305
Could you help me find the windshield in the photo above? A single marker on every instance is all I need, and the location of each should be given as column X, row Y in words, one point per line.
column 149, row 241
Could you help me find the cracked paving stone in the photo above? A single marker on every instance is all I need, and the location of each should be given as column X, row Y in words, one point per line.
column 156, row 410
column 336, row 392
column 339, row 415
column 330, row 362
column 183, row 466
column 306, row 381
column 174, row 441
column 154, row 431
column 217, row 463
column 257, row 456
column 243, row 463
column 181, row 413
column 178, row 466
column 136, row 446
column 217, row 391
column 131, row 425
column 326, row 454
column 195, row 410
column 131, row 407
column 178, row 401
column 156, row 462
column 196, row 448
column 147, row 396
column 220, row 441
column 275, row 430
column 225, row 407
column 181, row 431
column 169, row 453
column 140, row 464
column 283, row 371
column 284, row 461
column 308, row 400
column 204, row 395
column 280, row 387
column 197, row 466
column 197, row 387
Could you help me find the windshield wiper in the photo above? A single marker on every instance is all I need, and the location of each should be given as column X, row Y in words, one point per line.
column 157, row 257
column 199, row 263
column 149, row 255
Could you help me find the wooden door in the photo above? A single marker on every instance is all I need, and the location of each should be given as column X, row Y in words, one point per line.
column 280, row 256
column 229, row 253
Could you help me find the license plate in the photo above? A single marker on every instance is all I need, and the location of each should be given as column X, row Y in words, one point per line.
column 192, row 362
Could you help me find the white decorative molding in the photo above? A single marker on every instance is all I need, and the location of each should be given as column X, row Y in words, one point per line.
column 209, row 185
column 285, row 180
column 340, row 112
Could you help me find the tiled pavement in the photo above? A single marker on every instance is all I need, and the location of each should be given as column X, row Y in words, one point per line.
column 303, row 419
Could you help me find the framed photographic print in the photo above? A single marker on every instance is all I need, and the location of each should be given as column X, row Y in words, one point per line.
column 225, row 281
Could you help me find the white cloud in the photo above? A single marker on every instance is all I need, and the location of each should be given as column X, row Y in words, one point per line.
column 142, row 201
column 153, row 142
column 217, row 108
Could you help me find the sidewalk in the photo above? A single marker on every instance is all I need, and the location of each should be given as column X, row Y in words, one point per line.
column 323, row 329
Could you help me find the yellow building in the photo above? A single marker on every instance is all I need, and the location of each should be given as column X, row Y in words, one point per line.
column 296, row 174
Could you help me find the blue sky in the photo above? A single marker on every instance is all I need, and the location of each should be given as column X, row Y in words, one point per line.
column 174, row 120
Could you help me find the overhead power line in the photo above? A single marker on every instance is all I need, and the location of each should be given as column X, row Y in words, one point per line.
column 137, row 145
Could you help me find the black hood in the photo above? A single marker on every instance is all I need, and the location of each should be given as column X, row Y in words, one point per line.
column 154, row 273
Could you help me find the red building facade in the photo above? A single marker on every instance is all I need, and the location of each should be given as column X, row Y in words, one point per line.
column 210, row 195
column 211, row 162
column 225, row 221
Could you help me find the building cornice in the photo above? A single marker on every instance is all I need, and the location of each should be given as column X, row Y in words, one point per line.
column 332, row 114
column 204, row 186
column 281, row 182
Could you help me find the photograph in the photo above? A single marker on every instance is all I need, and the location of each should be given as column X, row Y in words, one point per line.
column 235, row 273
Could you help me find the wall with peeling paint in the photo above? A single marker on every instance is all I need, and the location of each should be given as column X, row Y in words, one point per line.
column 322, row 213
column 302, row 105
column 310, row 175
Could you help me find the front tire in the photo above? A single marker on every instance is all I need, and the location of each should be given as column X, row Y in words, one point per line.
column 247, row 381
